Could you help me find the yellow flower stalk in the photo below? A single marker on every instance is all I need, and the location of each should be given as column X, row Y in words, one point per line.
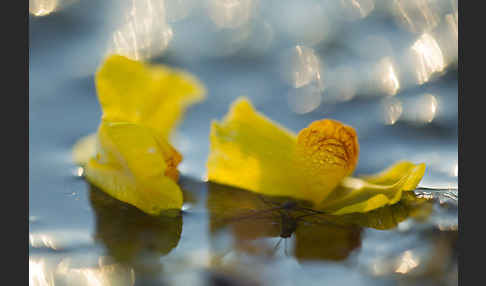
column 130, row 157
column 251, row 152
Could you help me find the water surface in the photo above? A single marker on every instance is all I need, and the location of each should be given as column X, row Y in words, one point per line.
column 394, row 81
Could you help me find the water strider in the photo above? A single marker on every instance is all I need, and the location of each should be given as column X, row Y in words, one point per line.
column 291, row 219
column 288, row 222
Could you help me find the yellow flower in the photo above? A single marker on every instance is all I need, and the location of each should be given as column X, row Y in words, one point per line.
column 251, row 152
column 129, row 157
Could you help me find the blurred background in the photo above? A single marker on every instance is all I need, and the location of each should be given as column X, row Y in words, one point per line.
column 386, row 67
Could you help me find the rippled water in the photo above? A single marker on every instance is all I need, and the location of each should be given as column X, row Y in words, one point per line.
column 388, row 68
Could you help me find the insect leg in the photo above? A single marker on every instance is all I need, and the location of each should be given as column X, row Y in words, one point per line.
column 308, row 210
column 277, row 245
column 254, row 214
column 267, row 201
column 285, row 248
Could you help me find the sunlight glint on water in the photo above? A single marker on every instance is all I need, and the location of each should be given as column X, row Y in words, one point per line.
column 146, row 32
column 428, row 57
column 42, row 7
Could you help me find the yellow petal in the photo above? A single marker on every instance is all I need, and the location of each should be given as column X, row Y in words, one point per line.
column 390, row 216
column 327, row 151
column 151, row 197
column 153, row 95
column 136, row 148
column 385, row 188
column 391, row 174
column 251, row 152
column 131, row 165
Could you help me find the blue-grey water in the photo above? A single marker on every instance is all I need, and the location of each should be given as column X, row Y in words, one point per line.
column 388, row 68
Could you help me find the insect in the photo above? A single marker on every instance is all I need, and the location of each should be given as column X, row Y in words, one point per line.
column 254, row 222
column 288, row 224
column 316, row 238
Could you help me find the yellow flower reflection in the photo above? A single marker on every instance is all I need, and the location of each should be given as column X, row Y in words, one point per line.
column 258, row 225
column 251, row 152
column 126, row 241
column 129, row 157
